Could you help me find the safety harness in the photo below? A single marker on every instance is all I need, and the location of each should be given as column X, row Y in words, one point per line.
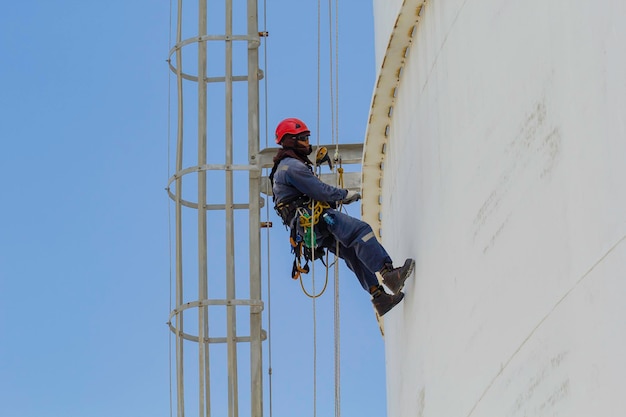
column 307, row 214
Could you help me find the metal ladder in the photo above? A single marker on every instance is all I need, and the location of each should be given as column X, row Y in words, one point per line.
column 210, row 274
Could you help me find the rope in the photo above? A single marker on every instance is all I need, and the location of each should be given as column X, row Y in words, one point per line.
column 335, row 116
column 313, row 219
column 313, row 295
column 337, row 321
column 330, row 63
column 313, row 261
column 267, row 216
column 306, row 220
column 169, row 210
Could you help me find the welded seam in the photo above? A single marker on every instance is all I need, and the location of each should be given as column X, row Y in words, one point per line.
column 533, row 331
column 443, row 44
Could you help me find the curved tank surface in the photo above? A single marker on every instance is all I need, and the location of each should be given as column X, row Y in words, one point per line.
column 496, row 156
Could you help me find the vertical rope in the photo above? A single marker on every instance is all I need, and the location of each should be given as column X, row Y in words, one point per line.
column 337, row 74
column 319, row 31
column 330, row 72
column 267, row 217
column 337, row 321
column 169, row 206
column 334, row 111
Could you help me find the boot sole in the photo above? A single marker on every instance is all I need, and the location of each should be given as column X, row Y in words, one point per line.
column 390, row 308
column 408, row 274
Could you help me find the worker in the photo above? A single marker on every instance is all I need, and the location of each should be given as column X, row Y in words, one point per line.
column 294, row 186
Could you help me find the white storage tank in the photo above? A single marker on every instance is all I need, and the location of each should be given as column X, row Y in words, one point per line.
column 496, row 157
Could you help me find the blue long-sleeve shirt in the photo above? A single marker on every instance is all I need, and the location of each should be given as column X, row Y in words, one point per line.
column 294, row 178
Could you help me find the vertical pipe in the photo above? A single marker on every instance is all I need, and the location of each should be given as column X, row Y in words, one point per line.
column 180, row 391
column 229, row 211
column 203, row 348
column 256, row 376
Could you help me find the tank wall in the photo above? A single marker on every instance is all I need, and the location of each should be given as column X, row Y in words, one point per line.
column 505, row 178
column 385, row 13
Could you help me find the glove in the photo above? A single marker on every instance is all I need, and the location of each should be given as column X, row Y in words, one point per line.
column 351, row 197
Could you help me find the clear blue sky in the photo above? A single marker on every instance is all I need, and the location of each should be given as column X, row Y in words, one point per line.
column 85, row 263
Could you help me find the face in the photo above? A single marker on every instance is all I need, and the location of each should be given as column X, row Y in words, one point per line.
column 303, row 142
column 303, row 137
column 298, row 142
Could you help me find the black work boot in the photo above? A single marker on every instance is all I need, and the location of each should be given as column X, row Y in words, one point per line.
column 394, row 278
column 384, row 302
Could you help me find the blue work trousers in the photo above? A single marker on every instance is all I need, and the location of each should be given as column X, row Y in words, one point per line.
column 358, row 245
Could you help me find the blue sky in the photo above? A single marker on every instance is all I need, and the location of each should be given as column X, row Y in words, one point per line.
column 85, row 259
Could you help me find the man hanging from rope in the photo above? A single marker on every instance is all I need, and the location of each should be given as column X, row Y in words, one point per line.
column 296, row 189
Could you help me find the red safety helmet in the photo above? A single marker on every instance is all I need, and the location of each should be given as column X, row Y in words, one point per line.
column 290, row 126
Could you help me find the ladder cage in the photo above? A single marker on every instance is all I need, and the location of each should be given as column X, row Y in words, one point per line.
column 216, row 318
